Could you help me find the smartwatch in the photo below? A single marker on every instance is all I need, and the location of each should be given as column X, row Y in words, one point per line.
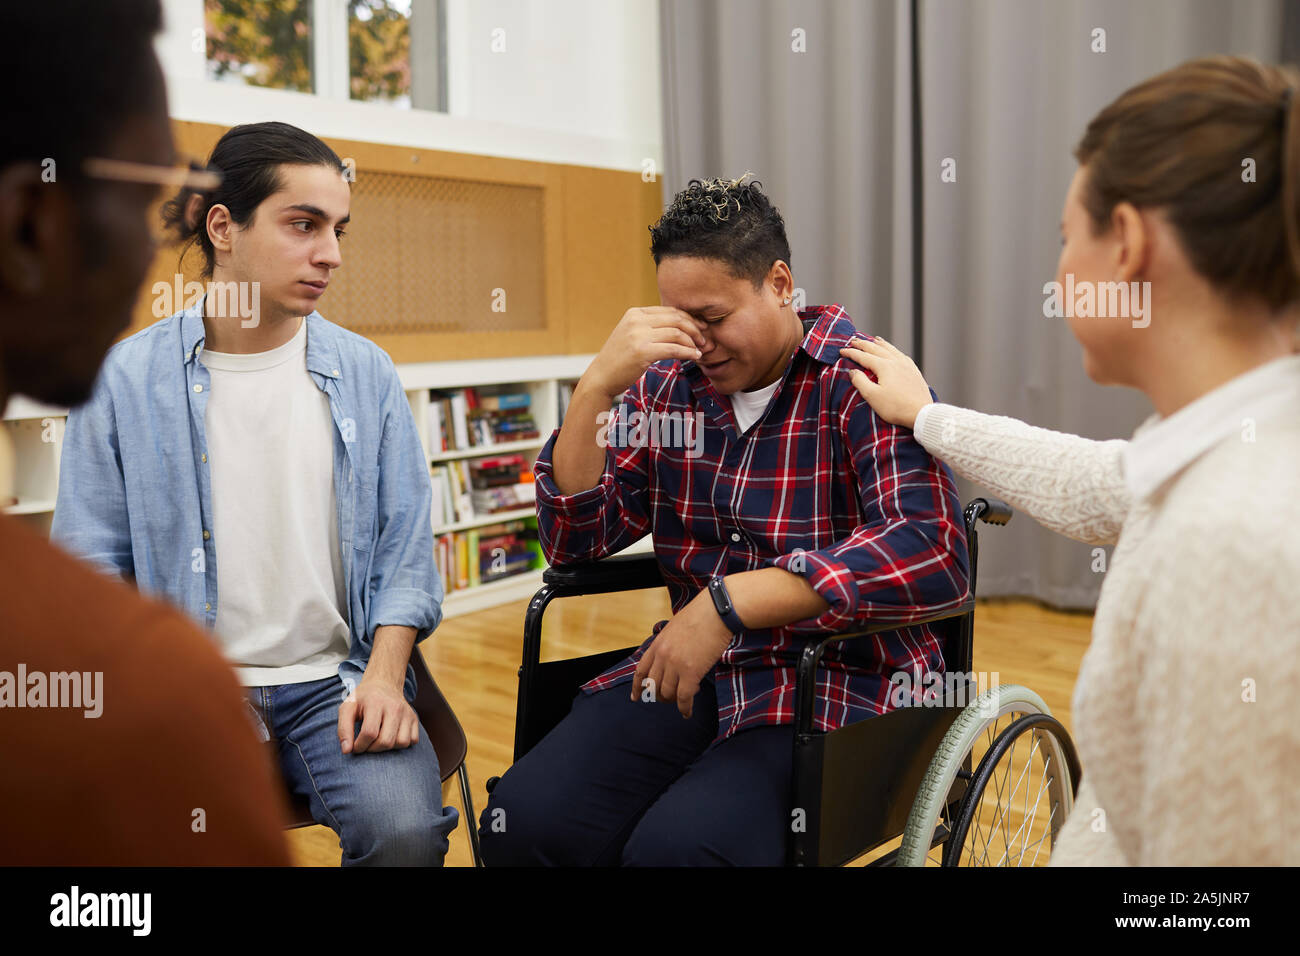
column 726, row 610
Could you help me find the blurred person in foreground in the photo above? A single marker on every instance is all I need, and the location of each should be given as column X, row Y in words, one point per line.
column 123, row 735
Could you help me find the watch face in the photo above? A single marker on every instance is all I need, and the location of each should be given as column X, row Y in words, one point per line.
column 722, row 604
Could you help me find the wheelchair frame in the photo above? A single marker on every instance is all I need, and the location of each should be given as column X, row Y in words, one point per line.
column 848, row 808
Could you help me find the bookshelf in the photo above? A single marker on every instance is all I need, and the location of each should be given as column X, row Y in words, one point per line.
column 36, row 432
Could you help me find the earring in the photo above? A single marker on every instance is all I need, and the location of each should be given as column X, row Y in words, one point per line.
column 787, row 301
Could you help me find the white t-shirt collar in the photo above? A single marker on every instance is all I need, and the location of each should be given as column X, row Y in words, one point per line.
column 256, row 361
column 758, row 398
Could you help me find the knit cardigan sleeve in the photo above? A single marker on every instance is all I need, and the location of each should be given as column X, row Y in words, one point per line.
column 1071, row 485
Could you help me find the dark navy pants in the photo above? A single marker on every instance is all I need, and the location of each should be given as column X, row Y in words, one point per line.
column 634, row 783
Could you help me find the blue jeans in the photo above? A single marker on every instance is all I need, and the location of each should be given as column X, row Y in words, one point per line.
column 386, row 807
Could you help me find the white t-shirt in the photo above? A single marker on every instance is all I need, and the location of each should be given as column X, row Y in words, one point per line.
column 748, row 407
column 282, row 606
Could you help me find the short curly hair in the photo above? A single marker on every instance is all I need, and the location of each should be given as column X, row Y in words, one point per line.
column 731, row 221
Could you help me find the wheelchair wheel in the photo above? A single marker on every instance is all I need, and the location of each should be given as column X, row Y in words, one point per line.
column 1008, row 810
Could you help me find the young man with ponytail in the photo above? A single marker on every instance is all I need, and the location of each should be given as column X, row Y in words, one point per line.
column 263, row 472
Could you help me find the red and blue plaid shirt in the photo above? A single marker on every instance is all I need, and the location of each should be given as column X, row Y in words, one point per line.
column 819, row 485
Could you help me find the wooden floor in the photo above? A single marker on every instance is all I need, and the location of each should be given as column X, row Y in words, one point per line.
column 475, row 659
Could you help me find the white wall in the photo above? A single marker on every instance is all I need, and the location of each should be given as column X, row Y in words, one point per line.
column 589, row 67
column 576, row 82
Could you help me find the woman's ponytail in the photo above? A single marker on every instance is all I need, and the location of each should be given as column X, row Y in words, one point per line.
column 1215, row 143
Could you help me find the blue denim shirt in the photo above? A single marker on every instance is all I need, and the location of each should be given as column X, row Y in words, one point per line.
column 135, row 487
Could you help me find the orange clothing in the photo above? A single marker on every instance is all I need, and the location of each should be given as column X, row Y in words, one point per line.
column 170, row 772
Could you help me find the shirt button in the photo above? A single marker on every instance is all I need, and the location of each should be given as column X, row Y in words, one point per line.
column 205, row 457
column 206, row 536
column 198, row 388
column 207, row 607
column 735, row 536
column 336, row 372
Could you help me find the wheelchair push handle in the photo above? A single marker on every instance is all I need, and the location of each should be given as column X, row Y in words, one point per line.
column 990, row 510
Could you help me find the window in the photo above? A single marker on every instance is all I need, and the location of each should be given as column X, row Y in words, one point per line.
column 379, row 51
column 260, row 42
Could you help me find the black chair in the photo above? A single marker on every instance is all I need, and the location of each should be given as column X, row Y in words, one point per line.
column 851, row 808
column 438, row 720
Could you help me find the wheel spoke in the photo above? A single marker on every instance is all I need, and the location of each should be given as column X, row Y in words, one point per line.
column 999, row 798
column 989, row 824
column 1001, row 814
column 1039, row 842
column 993, row 824
column 1025, row 810
column 979, row 825
column 997, row 814
column 1029, row 826
column 1006, row 846
column 1029, row 818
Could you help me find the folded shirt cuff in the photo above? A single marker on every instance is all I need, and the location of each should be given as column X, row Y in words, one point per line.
column 405, row 607
column 550, row 496
column 833, row 580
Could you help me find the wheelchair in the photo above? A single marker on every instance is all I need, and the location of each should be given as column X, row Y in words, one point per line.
column 972, row 779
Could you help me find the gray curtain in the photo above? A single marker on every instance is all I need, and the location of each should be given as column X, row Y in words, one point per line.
column 1006, row 89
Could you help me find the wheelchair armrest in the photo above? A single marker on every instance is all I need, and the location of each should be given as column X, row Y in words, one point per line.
column 965, row 607
column 622, row 572
column 812, row 653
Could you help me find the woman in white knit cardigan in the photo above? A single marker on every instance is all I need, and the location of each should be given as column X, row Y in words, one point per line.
column 1187, row 705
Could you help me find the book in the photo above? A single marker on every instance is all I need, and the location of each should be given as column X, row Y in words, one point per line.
column 472, row 555
column 460, row 418
column 507, row 549
column 462, row 561
column 505, row 401
column 495, row 472
column 506, row 498
column 438, row 506
column 565, row 396
column 435, row 424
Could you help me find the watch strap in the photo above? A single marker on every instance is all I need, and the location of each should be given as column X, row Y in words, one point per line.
column 725, row 608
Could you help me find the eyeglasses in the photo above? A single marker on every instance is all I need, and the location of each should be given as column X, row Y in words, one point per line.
column 182, row 173
column 121, row 170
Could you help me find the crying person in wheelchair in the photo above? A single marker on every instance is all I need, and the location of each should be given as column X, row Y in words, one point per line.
column 782, row 510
